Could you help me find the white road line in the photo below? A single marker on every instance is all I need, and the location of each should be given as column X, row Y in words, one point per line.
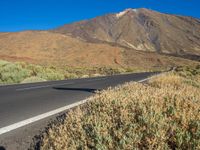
column 96, row 79
column 39, row 117
column 151, row 77
column 48, row 114
column 143, row 80
column 42, row 86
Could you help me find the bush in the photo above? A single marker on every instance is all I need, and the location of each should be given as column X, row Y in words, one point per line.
column 19, row 72
column 12, row 73
column 170, row 79
column 187, row 71
column 33, row 79
column 50, row 75
column 133, row 116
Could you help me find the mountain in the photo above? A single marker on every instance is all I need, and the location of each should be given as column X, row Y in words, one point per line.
column 141, row 29
column 134, row 38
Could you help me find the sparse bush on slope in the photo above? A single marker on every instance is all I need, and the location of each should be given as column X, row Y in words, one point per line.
column 163, row 114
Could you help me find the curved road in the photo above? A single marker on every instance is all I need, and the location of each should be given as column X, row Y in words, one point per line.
column 24, row 101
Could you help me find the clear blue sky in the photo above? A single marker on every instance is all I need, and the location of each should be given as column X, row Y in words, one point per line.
column 16, row 15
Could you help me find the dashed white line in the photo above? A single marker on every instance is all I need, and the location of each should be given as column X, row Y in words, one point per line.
column 96, row 79
column 42, row 86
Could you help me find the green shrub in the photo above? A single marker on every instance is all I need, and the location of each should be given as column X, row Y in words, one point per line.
column 18, row 72
column 70, row 75
column 12, row 73
column 50, row 75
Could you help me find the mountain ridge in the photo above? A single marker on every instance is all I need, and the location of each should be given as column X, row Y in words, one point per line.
column 150, row 26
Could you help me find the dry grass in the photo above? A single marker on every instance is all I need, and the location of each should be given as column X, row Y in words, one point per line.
column 168, row 80
column 163, row 114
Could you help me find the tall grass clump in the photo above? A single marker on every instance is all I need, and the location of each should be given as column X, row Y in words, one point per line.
column 163, row 114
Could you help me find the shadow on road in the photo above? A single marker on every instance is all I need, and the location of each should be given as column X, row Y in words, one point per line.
column 2, row 148
column 77, row 89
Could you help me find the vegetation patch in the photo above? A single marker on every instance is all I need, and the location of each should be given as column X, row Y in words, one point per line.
column 163, row 114
column 20, row 72
column 32, row 80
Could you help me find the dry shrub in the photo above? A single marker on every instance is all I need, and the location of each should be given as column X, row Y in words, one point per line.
column 169, row 79
column 133, row 116
column 33, row 79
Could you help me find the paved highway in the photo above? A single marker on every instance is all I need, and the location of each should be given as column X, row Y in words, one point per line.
column 24, row 101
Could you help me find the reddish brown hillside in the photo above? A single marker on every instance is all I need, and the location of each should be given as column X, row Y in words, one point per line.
column 43, row 47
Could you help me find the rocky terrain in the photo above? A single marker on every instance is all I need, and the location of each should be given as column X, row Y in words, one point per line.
column 141, row 29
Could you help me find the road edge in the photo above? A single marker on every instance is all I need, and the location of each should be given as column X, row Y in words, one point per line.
column 28, row 121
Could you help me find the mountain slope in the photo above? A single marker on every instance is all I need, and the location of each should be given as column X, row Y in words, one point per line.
column 47, row 48
column 141, row 29
column 44, row 47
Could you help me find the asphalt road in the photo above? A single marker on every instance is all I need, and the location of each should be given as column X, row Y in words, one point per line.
column 23, row 101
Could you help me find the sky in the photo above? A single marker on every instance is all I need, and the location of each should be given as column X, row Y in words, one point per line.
column 17, row 15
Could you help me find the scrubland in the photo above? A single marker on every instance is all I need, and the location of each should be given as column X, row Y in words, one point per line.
column 21, row 72
column 161, row 114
